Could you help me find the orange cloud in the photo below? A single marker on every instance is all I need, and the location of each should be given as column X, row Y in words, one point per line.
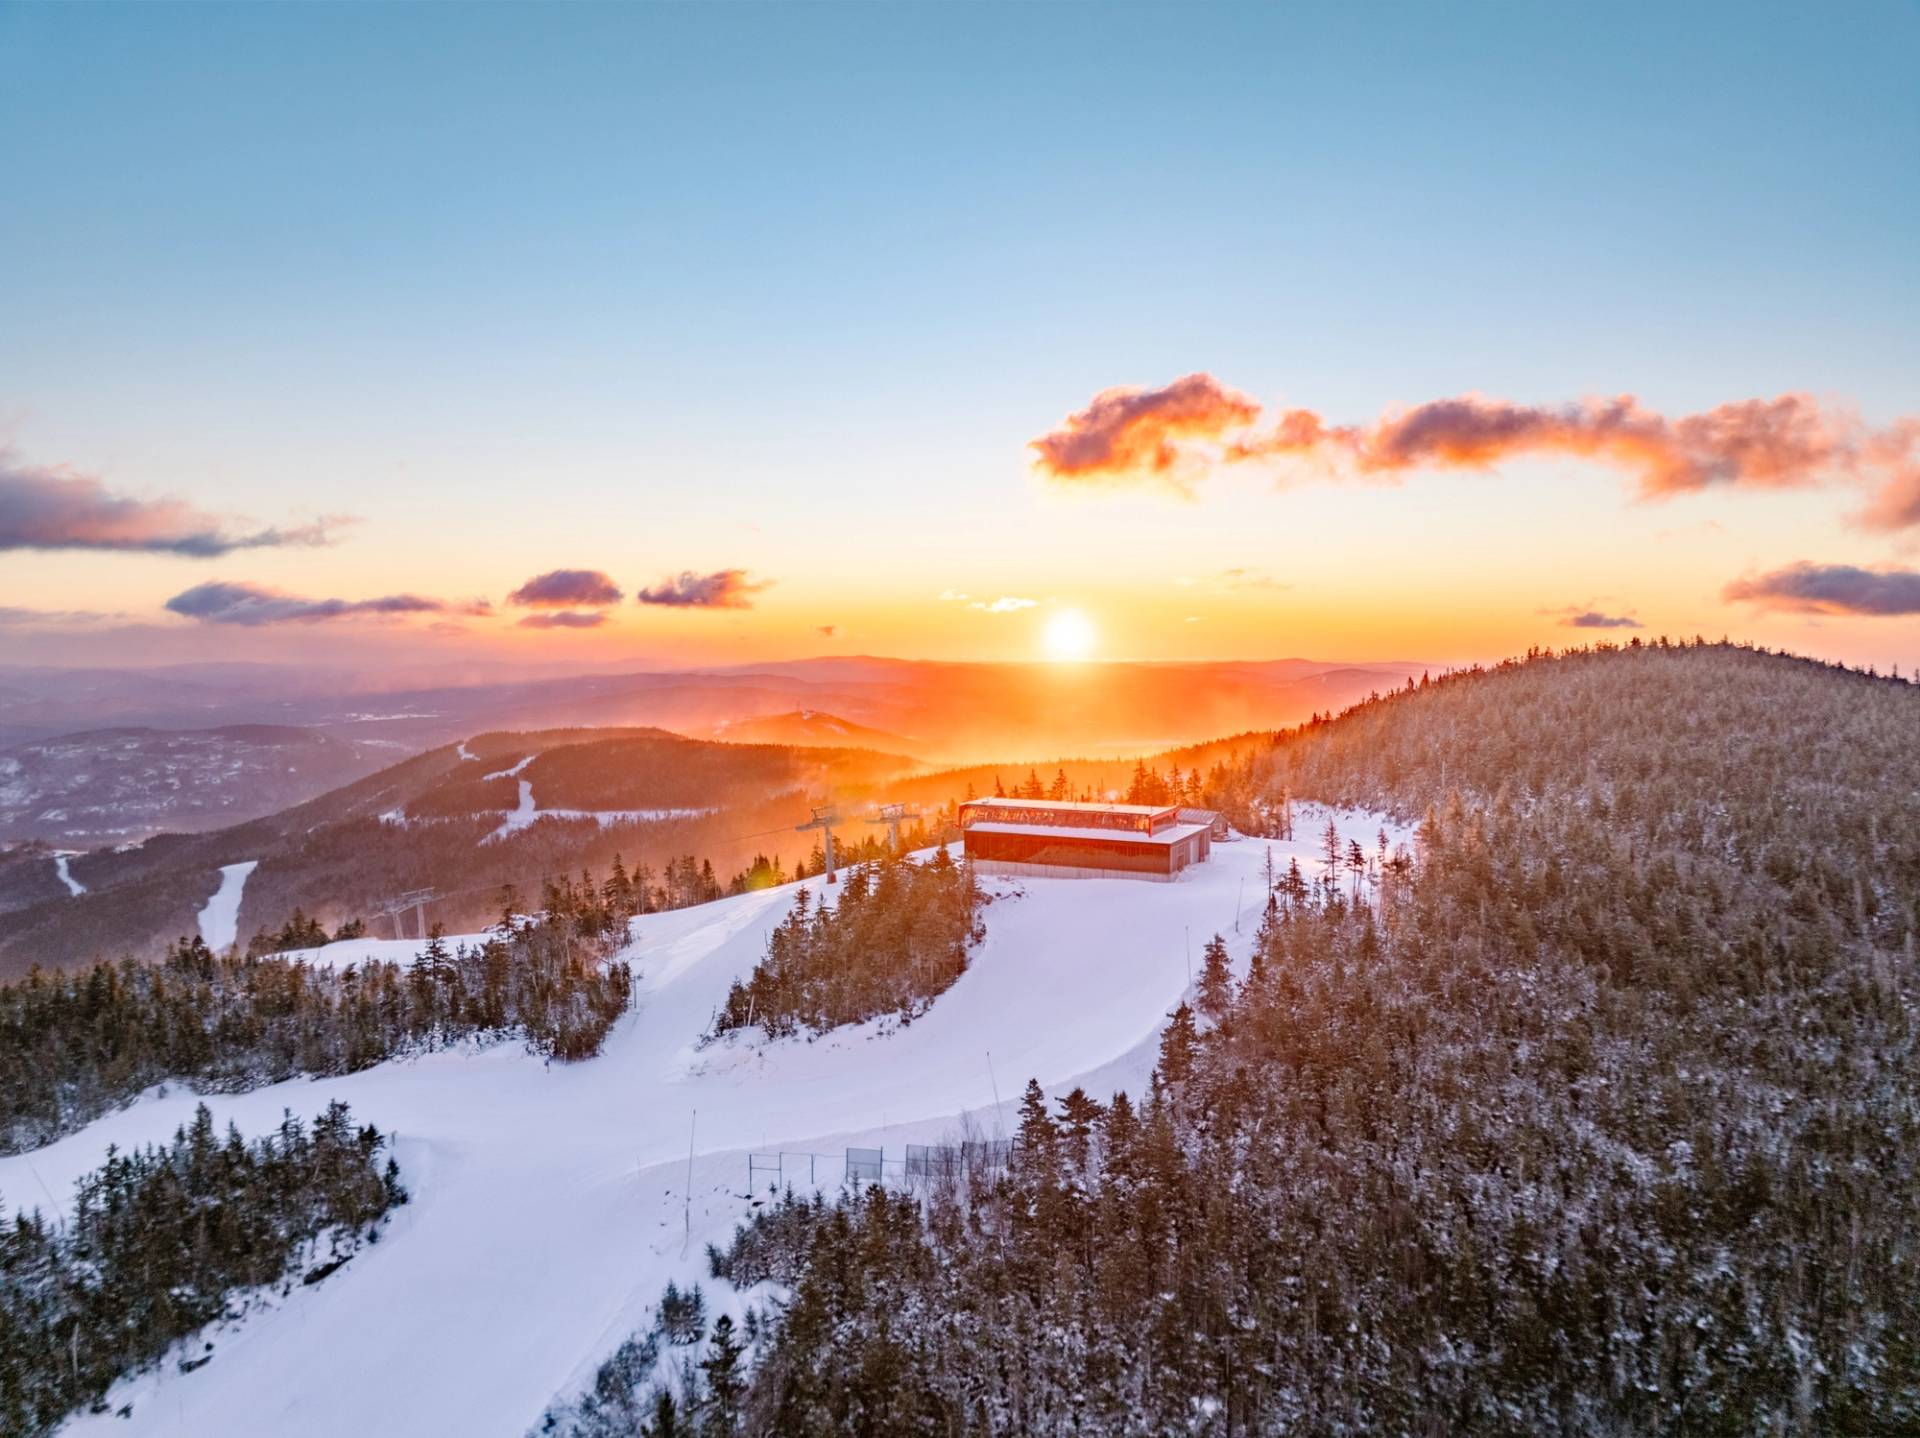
column 1130, row 432
column 1762, row 443
column 1895, row 453
column 1786, row 442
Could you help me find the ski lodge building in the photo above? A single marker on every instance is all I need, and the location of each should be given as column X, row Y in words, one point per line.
column 1050, row 838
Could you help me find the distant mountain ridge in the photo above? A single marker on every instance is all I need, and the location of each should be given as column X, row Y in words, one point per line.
column 72, row 786
column 811, row 728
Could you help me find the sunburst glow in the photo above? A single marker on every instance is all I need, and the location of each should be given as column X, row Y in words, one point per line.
column 1069, row 635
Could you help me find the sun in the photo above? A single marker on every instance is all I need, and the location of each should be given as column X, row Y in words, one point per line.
column 1069, row 635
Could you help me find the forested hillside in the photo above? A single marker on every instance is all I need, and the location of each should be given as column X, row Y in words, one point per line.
column 74, row 1045
column 447, row 821
column 1602, row 1117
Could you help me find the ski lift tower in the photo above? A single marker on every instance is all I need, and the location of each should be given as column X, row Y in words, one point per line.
column 415, row 899
column 893, row 816
column 825, row 816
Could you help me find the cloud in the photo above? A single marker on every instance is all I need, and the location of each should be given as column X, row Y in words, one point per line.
column 13, row 617
column 1594, row 619
column 51, row 509
column 1806, row 588
column 951, row 595
column 723, row 589
column 566, row 619
column 1142, row 432
column 827, row 630
column 1895, row 453
column 1241, row 578
column 252, row 605
column 1790, row 441
column 1005, row 604
column 566, row 588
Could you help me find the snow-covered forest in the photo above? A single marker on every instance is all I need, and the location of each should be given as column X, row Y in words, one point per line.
column 161, row 1240
column 896, row 938
column 1602, row 1118
column 74, row 1045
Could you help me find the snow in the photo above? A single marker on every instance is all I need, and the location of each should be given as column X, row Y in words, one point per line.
column 527, row 812
column 521, row 816
column 604, row 817
column 550, row 1202
column 74, row 887
column 220, row 918
column 1172, row 834
column 462, row 752
column 342, row 952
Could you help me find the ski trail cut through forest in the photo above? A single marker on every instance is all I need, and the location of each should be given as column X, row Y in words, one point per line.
column 551, row 1202
column 220, row 918
column 74, row 887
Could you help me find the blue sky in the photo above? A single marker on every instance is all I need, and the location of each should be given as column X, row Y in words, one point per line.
column 652, row 288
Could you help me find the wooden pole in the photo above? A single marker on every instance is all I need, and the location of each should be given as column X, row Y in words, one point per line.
column 692, row 1119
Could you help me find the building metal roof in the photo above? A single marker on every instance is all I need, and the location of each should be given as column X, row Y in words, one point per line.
column 1172, row 834
column 1071, row 806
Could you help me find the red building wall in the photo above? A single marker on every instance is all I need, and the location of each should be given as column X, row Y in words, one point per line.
column 1075, row 852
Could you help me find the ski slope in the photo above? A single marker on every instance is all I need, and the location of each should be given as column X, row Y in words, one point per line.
column 551, row 1203
column 220, row 917
column 74, row 887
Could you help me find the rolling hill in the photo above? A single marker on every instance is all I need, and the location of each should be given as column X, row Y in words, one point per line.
column 463, row 820
column 1597, row 1115
column 811, row 729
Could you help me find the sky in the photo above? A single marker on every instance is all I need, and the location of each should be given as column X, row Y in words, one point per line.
column 615, row 336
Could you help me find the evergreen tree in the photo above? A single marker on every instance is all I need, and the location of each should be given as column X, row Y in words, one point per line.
column 1177, row 1044
column 1215, row 992
column 724, row 1381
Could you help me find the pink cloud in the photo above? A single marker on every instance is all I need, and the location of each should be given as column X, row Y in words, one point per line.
column 1790, row 441
column 49, row 509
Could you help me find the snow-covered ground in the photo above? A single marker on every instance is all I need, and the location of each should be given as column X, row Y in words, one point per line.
column 521, row 816
column 220, row 916
column 341, row 952
column 74, row 887
column 527, row 812
column 605, row 817
column 550, row 1203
